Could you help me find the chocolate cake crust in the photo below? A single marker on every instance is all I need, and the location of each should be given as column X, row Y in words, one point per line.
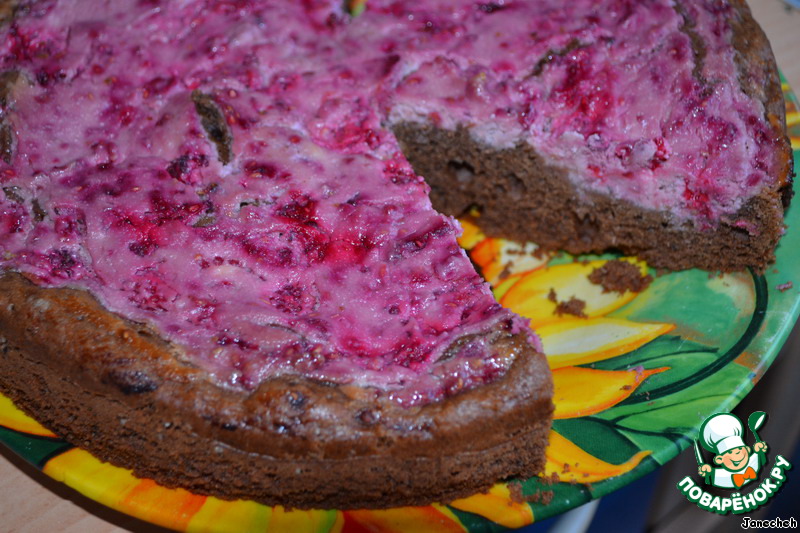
column 522, row 198
column 128, row 398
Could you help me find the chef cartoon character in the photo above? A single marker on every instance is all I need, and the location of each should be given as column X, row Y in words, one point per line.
column 737, row 464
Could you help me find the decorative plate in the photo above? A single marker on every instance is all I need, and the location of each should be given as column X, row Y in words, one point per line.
column 634, row 378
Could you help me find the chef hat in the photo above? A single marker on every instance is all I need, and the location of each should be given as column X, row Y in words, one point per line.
column 722, row 432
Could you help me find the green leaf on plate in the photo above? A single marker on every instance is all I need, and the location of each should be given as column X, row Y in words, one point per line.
column 653, row 354
column 663, row 444
column 683, row 411
column 685, row 298
column 36, row 450
column 611, row 484
column 476, row 523
column 597, row 437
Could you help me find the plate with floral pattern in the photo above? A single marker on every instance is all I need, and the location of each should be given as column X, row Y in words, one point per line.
column 635, row 374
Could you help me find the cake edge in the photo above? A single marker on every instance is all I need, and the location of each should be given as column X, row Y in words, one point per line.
column 111, row 387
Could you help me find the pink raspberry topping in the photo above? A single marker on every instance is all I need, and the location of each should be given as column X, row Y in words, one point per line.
column 226, row 171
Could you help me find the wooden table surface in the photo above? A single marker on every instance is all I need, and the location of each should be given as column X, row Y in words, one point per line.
column 32, row 502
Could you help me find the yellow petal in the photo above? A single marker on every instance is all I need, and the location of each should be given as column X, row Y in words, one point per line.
column 471, row 235
column 119, row 489
column 498, row 507
column 498, row 256
column 503, row 286
column 580, row 341
column 792, row 118
column 585, row 391
column 313, row 521
column 239, row 515
column 581, row 466
column 431, row 519
column 529, row 296
column 13, row 418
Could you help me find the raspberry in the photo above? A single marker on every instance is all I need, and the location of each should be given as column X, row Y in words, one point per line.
column 12, row 217
column 149, row 292
column 288, row 247
column 185, row 168
column 63, row 264
column 300, row 208
column 227, row 339
column 420, row 240
column 399, row 172
column 347, row 126
column 352, row 247
column 261, row 170
column 157, row 86
column 292, row 299
column 70, row 222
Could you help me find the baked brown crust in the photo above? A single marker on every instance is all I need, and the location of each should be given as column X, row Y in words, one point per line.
column 128, row 398
column 523, row 198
